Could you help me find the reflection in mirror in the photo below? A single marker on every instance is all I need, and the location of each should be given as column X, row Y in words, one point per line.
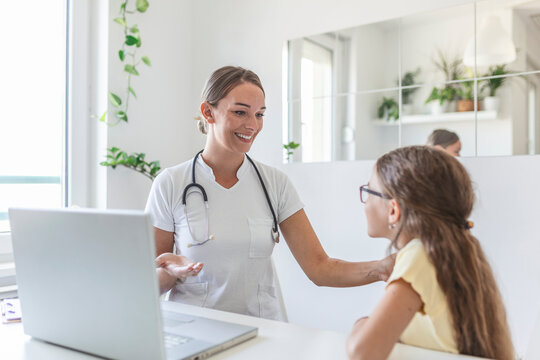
column 516, row 128
column 433, row 44
column 374, row 121
column 357, row 93
column 418, row 125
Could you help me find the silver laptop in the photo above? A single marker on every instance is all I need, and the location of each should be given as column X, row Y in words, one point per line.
column 86, row 280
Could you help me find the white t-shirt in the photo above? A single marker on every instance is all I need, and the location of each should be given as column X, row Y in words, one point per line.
column 237, row 275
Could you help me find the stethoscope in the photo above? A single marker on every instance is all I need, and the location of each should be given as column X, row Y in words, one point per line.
column 275, row 232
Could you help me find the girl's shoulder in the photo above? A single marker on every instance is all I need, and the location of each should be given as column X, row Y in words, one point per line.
column 414, row 251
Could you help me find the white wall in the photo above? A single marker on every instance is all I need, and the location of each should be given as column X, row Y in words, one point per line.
column 161, row 121
column 188, row 39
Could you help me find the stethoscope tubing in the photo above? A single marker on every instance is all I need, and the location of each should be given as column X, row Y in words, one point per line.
column 194, row 183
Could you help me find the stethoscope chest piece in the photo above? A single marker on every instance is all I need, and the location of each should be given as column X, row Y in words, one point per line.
column 275, row 236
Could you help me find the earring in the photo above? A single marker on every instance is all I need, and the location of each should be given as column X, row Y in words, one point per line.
column 391, row 226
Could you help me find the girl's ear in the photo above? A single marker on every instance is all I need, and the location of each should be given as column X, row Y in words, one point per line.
column 394, row 212
column 207, row 112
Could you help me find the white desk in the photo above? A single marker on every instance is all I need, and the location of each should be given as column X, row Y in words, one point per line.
column 276, row 340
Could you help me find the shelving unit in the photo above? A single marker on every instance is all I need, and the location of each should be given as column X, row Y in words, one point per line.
column 440, row 118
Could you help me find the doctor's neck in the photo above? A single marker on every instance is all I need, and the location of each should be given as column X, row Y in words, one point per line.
column 223, row 162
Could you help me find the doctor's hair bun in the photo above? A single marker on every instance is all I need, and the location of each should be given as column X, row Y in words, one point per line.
column 202, row 124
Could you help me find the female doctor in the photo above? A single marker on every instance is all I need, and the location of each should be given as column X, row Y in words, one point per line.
column 222, row 209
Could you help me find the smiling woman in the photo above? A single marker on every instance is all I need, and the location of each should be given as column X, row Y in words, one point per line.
column 216, row 217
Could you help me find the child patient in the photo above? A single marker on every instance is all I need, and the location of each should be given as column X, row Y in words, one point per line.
column 441, row 294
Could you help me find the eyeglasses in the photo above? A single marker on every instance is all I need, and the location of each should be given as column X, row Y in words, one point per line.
column 365, row 191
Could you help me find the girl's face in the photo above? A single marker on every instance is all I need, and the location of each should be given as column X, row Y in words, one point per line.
column 377, row 210
column 238, row 118
column 454, row 149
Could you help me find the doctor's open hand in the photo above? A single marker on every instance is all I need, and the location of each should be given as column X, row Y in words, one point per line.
column 178, row 266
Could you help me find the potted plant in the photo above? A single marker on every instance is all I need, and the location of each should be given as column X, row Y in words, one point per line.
column 389, row 109
column 408, row 79
column 491, row 102
column 465, row 94
column 289, row 149
column 453, row 69
column 439, row 99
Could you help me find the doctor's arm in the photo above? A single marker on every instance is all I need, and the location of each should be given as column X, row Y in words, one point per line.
column 319, row 267
column 374, row 337
column 170, row 266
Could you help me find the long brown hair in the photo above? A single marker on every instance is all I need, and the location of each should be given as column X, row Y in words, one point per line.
column 220, row 83
column 436, row 197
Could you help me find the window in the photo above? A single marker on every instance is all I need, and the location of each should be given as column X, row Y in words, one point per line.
column 315, row 81
column 34, row 80
column 33, row 119
column 310, row 94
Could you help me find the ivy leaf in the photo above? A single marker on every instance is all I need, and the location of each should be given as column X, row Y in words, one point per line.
column 146, row 60
column 131, row 160
column 131, row 69
column 131, row 40
column 103, row 117
column 132, row 91
column 115, row 99
column 134, row 29
column 142, row 5
column 123, row 6
column 139, row 43
column 120, row 21
column 121, row 115
column 121, row 55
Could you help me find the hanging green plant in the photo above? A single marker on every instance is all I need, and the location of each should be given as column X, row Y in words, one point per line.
column 134, row 161
column 128, row 56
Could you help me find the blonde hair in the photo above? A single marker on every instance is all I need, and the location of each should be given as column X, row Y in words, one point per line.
column 436, row 197
column 220, row 83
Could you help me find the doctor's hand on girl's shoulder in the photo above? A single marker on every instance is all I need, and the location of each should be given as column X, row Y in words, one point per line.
column 386, row 266
column 178, row 266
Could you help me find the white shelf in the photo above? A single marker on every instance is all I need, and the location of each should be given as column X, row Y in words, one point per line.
column 443, row 117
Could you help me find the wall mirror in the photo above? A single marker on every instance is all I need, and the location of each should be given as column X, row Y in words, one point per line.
column 473, row 69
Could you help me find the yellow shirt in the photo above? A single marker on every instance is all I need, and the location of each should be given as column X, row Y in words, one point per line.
column 431, row 327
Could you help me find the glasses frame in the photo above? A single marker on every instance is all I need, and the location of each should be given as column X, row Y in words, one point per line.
column 365, row 188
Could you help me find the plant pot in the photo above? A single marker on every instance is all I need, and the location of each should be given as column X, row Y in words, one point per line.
column 491, row 103
column 466, row 105
column 452, row 106
column 437, row 108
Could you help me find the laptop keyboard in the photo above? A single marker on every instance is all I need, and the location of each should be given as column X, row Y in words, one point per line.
column 171, row 340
